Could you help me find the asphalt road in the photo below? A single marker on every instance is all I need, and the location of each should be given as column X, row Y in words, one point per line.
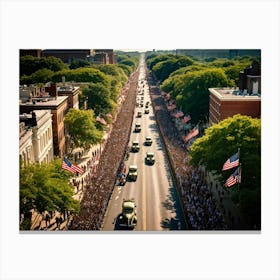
column 157, row 201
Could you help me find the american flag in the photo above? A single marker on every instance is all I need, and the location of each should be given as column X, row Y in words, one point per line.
column 67, row 165
column 171, row 107
column 186, row 119
column 234, row 178
column 233, row 161
column 194, row 132
column 178, row 114
column 101, row 120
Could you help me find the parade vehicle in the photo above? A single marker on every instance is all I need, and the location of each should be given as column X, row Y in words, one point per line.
column 135, row 146
column 150, row 158
column 139, row 114
column 132, row 172
column 147, row 111
column 137, row 127
column 148, row 141
column 128, row 218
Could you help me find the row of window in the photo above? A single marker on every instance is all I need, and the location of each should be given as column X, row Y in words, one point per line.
column 45, row 138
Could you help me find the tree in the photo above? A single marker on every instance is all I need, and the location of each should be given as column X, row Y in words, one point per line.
column 45, row 187
column 30, row 64
column 81, row 128
column 89, row 75
column 191, row 90
column 220, row 142
column 98, row 98
column 78, row 63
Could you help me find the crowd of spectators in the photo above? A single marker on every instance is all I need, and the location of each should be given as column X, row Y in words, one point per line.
column 101, row 180
column 200, row 207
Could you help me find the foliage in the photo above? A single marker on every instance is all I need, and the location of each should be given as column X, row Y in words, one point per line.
column 45, row 187
column 81, row 128
column 221, row 141
column 30, row 64
column 164, row 68
column 191, row 91
column 98, row 98
column 79, row 63
column 40, row 76
column 89, row 75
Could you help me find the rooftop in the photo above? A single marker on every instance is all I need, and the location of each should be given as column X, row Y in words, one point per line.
column 234, row 94
column 46, row 101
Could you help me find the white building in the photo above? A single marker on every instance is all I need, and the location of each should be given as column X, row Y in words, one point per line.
column 36, row 137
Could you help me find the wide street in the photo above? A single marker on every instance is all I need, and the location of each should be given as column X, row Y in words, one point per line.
column 157, row 203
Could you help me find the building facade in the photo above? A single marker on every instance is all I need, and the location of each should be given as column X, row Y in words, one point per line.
column 58, row 106
column 36, row 138
column 227, row 102
column 68, row 55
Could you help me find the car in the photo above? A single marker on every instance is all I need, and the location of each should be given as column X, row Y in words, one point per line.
column 147, row 111
column 139, row 114
column 132, row 172
column 150, row 158
column 148, row 141
column 135, row 146
column 128, row 217
column 137, row 127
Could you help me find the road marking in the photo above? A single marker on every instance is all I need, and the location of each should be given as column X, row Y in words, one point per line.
column 116, row 197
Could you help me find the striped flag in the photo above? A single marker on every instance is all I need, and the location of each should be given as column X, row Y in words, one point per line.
column 178, row 114
column 186, row 119
column 234, row 178
column 233, row 161
column 194, row 132
column 101, row 120
column 67, row 165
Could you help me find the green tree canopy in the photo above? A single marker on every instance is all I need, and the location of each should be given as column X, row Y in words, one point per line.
column 81, row 128
column 79, row 63
column 221, row 141
column 45, row 187
column 164, row 68
column 98, row 98
column 40, row 76
column 30, row 64
column 82, row 75
column 193, row 94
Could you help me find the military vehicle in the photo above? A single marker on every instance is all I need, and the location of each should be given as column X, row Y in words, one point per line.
column 137, row 127
column 148, row 141
column 135, row 146
column 150, row 158
column 128, row 218
column 132, row 172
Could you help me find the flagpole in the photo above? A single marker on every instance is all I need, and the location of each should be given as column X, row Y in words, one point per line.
column 239, row 175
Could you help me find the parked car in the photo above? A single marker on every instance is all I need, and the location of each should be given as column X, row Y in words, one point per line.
column 147, row 111
column 139, row 114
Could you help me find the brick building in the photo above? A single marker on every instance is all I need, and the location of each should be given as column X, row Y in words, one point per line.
column 226, row 102
column 244, row 100
column 68, row 55
column 33, row 52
